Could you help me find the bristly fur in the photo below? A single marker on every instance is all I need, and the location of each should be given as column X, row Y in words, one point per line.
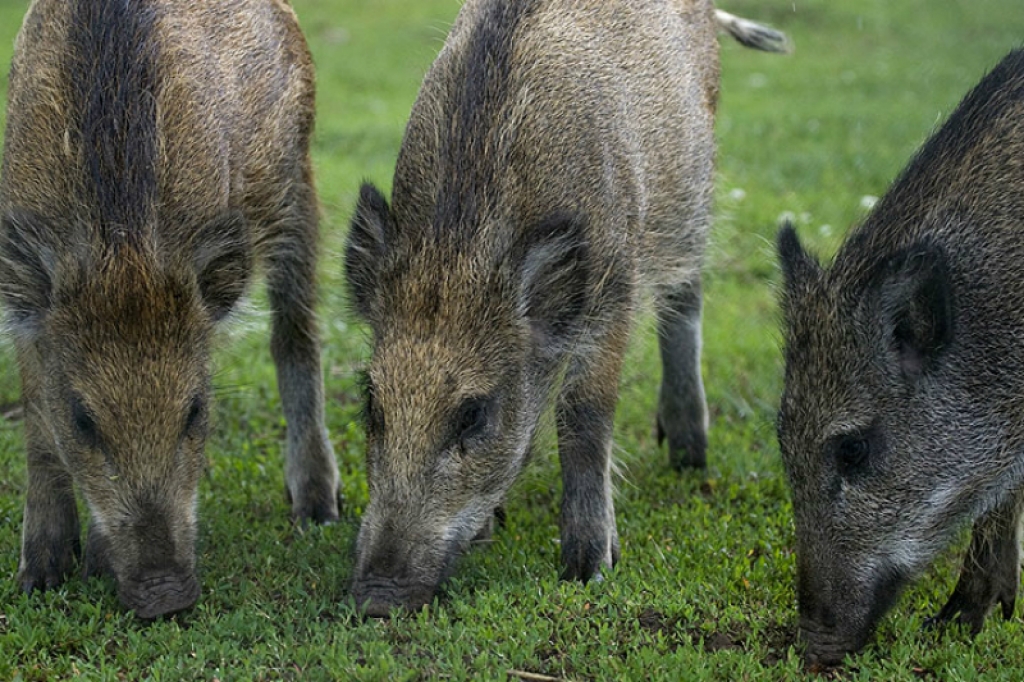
column 907, row 352
column 472, row 147
column 558, row 160
column 154, row 151
column 112, row 63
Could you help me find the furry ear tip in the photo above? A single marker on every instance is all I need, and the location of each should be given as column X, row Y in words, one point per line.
column 366, row 246
column 786, row 240
column 372, row 198
column 796, row 263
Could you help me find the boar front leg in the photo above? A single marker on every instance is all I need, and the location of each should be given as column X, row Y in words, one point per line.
column 991, row 571
column 682, row 409
column 585, row 415
column 50, row 541
column 311, row 472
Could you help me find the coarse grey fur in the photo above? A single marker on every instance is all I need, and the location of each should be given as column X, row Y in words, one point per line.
column 558, row 159
column 155, row 151
column 902, row 417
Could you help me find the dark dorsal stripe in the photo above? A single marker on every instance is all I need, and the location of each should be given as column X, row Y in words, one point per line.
column 470, row 156
column 113, row 81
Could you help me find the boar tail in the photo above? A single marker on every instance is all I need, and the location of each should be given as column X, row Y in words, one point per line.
column 751, row 34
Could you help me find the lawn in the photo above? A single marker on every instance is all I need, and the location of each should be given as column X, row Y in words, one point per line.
column 705, row 586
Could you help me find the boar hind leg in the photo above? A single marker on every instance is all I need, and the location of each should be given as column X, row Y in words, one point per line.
column 50, row 543
column 682, row 410
column 585, row 414
column 311, row 473
column 991, row 571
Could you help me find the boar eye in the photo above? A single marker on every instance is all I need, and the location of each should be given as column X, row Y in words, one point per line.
column 85, row 425
column 472, row 418
column 852, row 453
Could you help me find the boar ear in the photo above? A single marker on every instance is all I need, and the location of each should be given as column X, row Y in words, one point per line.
column 917, row 306
column 797, row 265
column 28, row 263
column 222, row 257
column 366, row 247
column 554, row 276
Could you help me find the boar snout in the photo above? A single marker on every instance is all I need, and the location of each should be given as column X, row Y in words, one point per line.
column 159, row 593
column 825, row 641
column 376, row 597
column 837, row 618
column 150, row 553
column 825, row 645
column 392, row 572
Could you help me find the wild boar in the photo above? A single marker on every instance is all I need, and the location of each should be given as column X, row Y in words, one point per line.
column 902, row 417
column 558, row 158
column 154, row 152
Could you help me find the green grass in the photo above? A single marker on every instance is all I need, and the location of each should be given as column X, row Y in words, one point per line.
column 705, row 586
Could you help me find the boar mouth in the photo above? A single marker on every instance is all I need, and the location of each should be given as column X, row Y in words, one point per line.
column 159, row 595
column 377, row 597
column 825, row 649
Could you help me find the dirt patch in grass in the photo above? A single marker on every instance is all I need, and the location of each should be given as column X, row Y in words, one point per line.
column 778, row 638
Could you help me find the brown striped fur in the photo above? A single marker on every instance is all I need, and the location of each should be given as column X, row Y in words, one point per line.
column 155, row 152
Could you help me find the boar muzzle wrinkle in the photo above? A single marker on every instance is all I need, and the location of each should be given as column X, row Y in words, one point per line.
column 159, row 595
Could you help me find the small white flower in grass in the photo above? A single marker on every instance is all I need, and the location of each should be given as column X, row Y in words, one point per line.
column 825, row 230
column 737, row 194
column 868, row 201
column 757, row 80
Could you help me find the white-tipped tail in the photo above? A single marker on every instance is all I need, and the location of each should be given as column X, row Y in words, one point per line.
column 752, row 34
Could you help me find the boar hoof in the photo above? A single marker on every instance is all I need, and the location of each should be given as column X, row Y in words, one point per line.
column 971, row 611
column 684, row 451
column 584, row 563
column 321, row 510
column 48, row 567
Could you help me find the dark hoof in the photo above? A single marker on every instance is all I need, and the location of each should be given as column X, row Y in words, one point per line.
column 43, row 571
column 584, row 562
column 684, row 453
column 960, row 610
column 321, row 510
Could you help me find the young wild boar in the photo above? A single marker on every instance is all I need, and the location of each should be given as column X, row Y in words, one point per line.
column 558, row 157
column 154, row 151
column 903, row 412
